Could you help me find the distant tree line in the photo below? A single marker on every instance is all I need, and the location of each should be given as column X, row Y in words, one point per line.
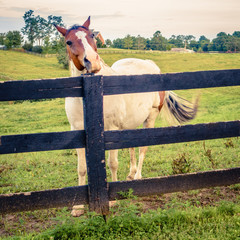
column 223, row 42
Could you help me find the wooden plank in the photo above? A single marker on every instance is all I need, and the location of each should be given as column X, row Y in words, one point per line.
column 41, row 89
column 72, row 87
column 175, row 183
column 95, row 152
column 170, row 81
column 42, row 142
column 157, row 136
column 68, row 197
column 28, row 201
column 118, row 139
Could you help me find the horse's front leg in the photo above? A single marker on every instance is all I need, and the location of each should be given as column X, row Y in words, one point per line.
column 133, row 164
column 78, row 210
column 113, row 163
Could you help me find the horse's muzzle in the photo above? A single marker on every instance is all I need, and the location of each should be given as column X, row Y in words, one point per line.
column 87, row 64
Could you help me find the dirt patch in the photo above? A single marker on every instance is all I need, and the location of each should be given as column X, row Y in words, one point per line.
column 199, row 198
column 38, row 221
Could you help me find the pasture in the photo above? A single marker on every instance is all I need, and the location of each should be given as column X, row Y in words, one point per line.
column 45, row 170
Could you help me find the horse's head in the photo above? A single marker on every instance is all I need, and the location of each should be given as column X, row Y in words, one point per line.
column 81, row 47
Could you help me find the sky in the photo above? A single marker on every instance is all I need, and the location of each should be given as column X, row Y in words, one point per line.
column 115, row 19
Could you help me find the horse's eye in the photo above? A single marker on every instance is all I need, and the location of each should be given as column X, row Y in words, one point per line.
column 69, row 43
column 92, row 35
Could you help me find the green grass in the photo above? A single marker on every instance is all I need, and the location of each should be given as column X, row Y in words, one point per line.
column 55, row 169
column 22, row 66
column 128, row 222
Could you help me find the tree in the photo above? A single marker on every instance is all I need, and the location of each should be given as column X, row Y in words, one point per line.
column 128, row 42
column 30, row 25
column 204, row 43
column 194, row 45
column 177, row 41
column 220, row 42
column 236, row 34
column 2, row 38
column 158, row 42
column 118, row 43
column 139, row 43
column 100, row 44
column 108, row 43
column 41, row 29
column 233, row 43
column 37, row 28
column 188, row 39
column 50, row 29
column 13, row 39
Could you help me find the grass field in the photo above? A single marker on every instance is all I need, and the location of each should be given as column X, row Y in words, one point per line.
column 179, row 216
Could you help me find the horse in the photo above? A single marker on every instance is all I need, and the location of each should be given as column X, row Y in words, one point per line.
column 126, row 111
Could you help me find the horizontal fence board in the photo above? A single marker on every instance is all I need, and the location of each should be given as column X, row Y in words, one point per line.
column 119, row 139
column 41, row 89
column 42, row 142
column 72, row 87
column 67, row 197
column 170, row 81
column 167, row 135
column 175, row 183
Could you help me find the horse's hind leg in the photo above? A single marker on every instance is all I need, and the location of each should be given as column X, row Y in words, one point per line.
column 133, row 164
column 149, row 123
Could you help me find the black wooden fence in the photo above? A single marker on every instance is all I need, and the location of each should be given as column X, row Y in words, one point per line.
column 99, row 192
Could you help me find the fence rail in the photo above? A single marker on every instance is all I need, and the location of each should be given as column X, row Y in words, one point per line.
column 119, row 139
column 70, row 196
column 92, row 88
column 73, row 87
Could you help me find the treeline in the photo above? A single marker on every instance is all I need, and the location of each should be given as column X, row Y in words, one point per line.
column 223, row 42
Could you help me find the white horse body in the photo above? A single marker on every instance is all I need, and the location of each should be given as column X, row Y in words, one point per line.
column 126, row 111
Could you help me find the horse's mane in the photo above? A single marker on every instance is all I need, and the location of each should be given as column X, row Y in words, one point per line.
column 75, row 27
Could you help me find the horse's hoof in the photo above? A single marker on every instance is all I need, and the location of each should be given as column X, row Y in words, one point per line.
column 137, row 176
column 130, row 178
column 77, row 212
column 112, row 203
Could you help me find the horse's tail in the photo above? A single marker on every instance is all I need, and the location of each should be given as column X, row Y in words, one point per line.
column 177, row 109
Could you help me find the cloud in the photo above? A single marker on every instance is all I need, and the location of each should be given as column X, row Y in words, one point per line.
column 109, row 16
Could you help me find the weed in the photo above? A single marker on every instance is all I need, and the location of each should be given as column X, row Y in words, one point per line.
column 127, row 194
column 180, row 165
column 229, row 143
column 208, row 154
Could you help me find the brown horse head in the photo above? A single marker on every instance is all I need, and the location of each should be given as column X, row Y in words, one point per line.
column 81, row 47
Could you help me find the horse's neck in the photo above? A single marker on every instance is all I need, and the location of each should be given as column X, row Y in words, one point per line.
column 74, row 71
column 105, row 70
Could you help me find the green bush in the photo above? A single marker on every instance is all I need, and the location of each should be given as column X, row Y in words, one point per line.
column 62, row 57
column 27, row 47
column 37, row 49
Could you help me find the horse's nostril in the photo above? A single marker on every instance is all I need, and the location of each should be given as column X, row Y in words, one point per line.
column 88, row 64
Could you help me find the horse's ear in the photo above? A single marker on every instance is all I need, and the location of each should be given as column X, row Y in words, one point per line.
column 62, row 30
column 100, row 37
column 87, row 23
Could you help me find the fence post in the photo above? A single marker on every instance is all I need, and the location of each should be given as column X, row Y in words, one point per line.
column 95, row 151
